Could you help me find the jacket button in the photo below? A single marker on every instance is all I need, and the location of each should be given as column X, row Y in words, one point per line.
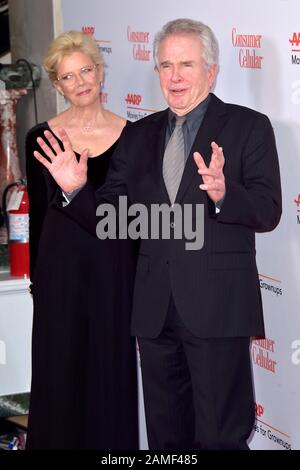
column 172, row 224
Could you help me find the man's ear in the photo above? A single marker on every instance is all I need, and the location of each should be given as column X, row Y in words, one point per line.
column 212, row 73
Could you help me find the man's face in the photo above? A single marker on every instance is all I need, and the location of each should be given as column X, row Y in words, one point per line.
column 184, row 78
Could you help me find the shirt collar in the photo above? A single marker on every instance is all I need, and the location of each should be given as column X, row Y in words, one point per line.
column 193, row 117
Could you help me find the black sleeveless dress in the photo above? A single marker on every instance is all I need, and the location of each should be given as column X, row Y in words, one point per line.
column 84, row 383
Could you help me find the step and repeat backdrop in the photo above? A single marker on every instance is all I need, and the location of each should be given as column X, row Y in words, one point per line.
column 260, row 68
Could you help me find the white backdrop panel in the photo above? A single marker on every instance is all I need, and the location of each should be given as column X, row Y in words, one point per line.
column 272, row 86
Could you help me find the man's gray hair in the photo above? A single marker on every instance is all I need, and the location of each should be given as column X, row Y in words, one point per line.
column 188, row 26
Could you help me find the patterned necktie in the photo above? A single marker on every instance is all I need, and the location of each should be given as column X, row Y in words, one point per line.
column 173, row 163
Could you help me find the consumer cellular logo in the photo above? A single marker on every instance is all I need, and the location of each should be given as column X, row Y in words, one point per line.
column 249, row 49
column 262, row 354
column 140, row 44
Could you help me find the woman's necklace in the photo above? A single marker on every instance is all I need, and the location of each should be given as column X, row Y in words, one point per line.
column 88, row 127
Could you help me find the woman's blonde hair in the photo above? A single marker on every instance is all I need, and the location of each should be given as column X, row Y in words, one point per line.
column 65, row 44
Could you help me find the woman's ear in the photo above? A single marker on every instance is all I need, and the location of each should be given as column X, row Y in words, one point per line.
column 58, row 87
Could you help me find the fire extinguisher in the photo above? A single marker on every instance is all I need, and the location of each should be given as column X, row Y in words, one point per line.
column 16, row 214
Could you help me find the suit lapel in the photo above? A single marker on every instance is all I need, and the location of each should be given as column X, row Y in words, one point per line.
column 210, row 128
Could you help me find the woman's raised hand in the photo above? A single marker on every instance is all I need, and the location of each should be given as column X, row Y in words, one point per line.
column 69, row 173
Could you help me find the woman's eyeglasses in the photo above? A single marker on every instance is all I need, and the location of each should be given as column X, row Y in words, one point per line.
column 86, row 73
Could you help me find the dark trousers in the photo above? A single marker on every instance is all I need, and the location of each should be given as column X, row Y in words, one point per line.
column 198, row 393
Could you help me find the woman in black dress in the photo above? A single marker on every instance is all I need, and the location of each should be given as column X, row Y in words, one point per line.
column 84, row 385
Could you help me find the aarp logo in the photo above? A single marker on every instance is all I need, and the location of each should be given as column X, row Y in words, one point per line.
column 295, row 41
column 89, row 30
column 295, row 48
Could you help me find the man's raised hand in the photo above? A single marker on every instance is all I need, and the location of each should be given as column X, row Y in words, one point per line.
column 213, row 176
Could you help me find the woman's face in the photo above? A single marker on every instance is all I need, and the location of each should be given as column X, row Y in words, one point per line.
column 78, row 79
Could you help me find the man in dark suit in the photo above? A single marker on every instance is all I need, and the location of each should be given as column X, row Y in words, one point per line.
column 194, row 311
